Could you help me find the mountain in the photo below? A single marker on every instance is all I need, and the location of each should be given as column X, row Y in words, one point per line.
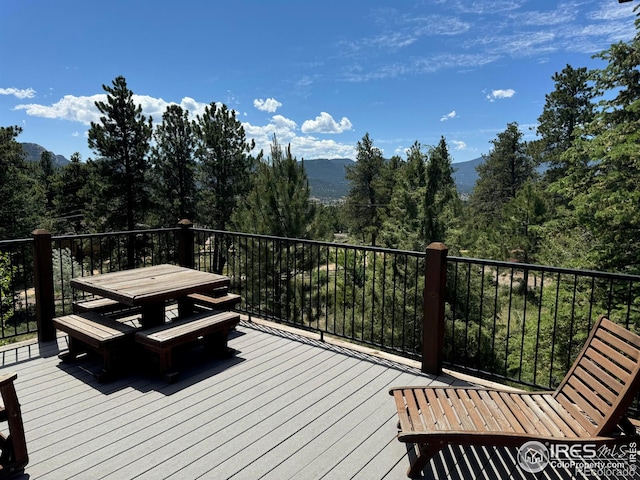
column 33, row 151
column 465, row 174
column 326, row 178
column 327, row 182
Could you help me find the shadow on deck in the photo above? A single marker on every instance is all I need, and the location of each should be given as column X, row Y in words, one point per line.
column 286, row 406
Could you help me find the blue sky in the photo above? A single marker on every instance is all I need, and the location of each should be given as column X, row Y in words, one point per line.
column 319, row 75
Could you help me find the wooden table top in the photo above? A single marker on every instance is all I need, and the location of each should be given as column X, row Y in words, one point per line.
column 147, row 285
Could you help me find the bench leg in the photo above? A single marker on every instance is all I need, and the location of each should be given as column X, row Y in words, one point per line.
column 216, row 344
column 108, row 367
column 76, row 347
column 166, row 365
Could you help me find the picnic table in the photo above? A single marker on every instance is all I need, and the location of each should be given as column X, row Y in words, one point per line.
column 150, row 287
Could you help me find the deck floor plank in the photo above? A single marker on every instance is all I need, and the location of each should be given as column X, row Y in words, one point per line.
column 285, row 406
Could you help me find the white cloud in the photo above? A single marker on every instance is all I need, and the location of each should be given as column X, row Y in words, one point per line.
column 324, row 123
column 449, row 116
column 500, row 94
column 18, row 93
column 269, row 105
column 69, row 107
column 459, row 145
column 302, row 146
column 84, row 110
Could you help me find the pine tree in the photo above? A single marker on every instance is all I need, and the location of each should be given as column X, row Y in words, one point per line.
column 225, row 165
column 603, row 181
column 278, row 204
column 403, row 227
column 568, row 108
column 121, row 138
column 365, row 203
column 22, row 201
column 441, row 194
column 173, row 168
column 504, row 171
column 71, row 196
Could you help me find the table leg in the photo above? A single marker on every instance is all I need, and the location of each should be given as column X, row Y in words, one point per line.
column 186, row 307
column 152, row 315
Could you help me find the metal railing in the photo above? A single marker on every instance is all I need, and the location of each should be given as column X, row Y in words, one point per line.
column 516, row 323
column 525, row 324
column 367, row 295
column 17, row 300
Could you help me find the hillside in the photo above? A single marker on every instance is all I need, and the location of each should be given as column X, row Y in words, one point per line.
column 33, row 151
column 327, row 182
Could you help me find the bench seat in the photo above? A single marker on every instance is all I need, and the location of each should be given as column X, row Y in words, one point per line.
column 101, row 305
column 228, row 301
column 212, row 327
column 218, row 300
column 91, row 331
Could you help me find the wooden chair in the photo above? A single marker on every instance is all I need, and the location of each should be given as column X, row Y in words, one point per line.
column 13, row 447
column 588, row 407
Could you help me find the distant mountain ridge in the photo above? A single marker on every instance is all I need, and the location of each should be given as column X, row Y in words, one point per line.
column 327, row 182
column 33, row 152
column 326, row 176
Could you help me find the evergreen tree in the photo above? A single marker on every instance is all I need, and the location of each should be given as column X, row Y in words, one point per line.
column 172, row 173
column 47, row 179
column 278, row 204
column 568, row 108
column 71, row 196
column 403, row 227
column 22, row 202
column 603, row 181
column 365, row 203
column 522, row 223
column 121, row 138
column 500, row 176
column 441, row 194
column 225, row 165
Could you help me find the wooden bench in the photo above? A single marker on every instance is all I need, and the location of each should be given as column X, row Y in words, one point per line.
column 588, row 407
column 228, row 301
column 103, row 305
column 212, row 327
column 217, row 300
column 91, row 331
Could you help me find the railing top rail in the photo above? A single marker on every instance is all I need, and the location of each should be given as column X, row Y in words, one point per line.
column 15, row 241
column 113, row 234
column 314, row 242
column 546, row 268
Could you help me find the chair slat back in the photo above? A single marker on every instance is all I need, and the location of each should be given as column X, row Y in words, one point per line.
column 604, row 377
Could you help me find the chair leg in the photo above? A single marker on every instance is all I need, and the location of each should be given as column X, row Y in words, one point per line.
column 15, row 444
column 425, row 452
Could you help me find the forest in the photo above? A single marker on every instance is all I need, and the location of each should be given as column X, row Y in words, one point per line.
column 583, row 211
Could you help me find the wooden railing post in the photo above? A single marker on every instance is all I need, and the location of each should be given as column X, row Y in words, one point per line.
column 433, row 308
column 43, row 280
column 185, row 243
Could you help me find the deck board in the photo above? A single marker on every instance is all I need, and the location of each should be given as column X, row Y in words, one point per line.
column 285, row 406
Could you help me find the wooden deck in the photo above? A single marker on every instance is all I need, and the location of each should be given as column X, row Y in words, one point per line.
column 285, row 407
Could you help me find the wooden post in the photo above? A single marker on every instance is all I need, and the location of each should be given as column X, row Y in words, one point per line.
column 185, row 243
column 43, row 279
column 433, row 308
